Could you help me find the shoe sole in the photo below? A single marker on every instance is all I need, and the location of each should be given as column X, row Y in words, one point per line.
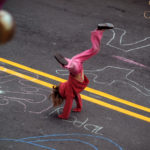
column 105, row 26
column 61, row 59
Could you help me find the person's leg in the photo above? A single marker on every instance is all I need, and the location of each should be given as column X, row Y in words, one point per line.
column 75, row 63
column 96, row 37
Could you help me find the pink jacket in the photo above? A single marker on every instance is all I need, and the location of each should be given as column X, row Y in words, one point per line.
column 68, row 90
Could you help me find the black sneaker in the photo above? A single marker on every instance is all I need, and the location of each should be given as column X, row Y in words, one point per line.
column 105, row 26
column 61, row 59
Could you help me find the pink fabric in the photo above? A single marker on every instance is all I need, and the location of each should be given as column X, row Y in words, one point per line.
column 71, row 89
column 75, row 64
column 1, row 3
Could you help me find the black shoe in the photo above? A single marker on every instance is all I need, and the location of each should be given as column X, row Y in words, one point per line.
column 105, row 26
column 61, row 59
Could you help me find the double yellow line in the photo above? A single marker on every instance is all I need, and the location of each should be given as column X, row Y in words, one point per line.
column 88, row 89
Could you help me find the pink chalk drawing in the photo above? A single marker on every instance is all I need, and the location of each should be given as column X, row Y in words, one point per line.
column 130, row 61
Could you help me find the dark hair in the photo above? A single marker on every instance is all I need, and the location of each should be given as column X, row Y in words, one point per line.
column 56, row 97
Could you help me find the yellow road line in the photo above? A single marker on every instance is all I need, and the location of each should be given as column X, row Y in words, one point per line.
column 26, row 77
column 91, row 90
column 87, row 98
column 117, row 99
column 31, row 70
column 116, row 108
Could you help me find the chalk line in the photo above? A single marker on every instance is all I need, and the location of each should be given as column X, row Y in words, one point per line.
column 126, row 47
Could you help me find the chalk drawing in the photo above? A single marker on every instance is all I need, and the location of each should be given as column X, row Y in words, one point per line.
column 6, row 78
column 27, row 96
column 48, row 141
column 110, row 75
column 79, row 124
column 130, row 61
column 117, row 41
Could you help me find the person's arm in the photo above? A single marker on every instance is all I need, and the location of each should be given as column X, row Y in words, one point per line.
column 67, row 107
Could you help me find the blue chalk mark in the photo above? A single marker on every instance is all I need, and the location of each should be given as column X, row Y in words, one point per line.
column 74, row 140
column 41, row 146
column 37, row 139
column 28, row 142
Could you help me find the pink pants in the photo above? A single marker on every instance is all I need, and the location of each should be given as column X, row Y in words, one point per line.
column 75, row 64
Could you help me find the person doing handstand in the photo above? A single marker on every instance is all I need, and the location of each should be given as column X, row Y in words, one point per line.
column 77, row 81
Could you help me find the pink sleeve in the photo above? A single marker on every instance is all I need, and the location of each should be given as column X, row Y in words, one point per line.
column 67, row 108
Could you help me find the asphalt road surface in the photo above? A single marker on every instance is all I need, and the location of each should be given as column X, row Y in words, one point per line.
column 116, row 104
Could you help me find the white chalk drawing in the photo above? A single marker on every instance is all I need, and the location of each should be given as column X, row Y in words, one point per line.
column 33, row 99
column 92, row 128
column 110, row 75
column 117, row 41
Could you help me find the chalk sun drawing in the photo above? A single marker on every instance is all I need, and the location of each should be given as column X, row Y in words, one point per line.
column 117, row 41
column 111, row 74
column 55, row 141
